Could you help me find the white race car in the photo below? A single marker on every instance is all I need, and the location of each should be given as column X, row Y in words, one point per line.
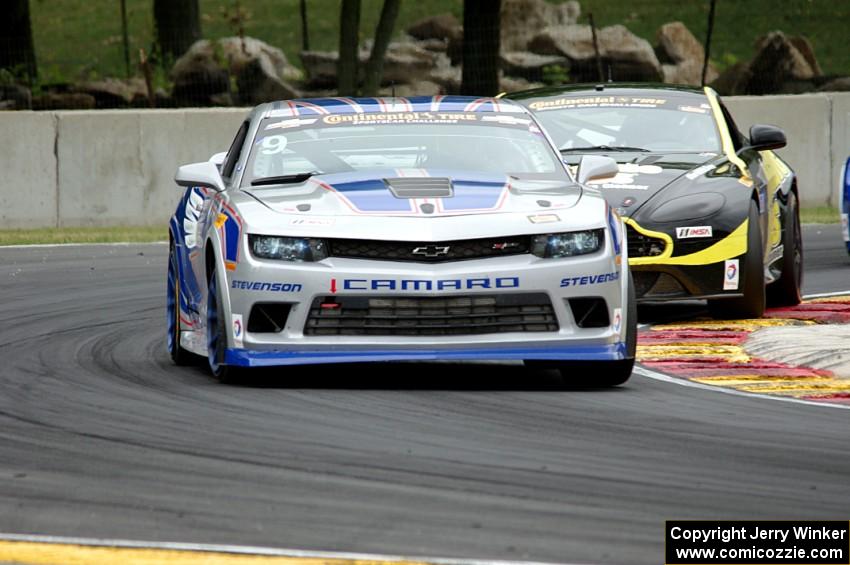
column 342, row 230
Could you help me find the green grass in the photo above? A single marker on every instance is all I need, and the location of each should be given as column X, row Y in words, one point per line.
column 819, row 215
column 134, row 234
column 145, row 234
column 82, row 38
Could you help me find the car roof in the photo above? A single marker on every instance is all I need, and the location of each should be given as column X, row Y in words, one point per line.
column 621, row 88
column 342, row 105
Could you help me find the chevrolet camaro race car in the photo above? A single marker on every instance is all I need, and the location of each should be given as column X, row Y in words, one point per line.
column 341, row 230
column 710, row 213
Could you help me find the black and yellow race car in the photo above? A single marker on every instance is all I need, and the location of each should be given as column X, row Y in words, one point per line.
column 710, row 213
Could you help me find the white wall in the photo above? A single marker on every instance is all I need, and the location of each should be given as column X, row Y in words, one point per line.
column 99, row 168
column 818, row 137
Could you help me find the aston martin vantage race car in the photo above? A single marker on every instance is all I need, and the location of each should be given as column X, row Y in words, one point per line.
column 342, row 230
column 710, row 213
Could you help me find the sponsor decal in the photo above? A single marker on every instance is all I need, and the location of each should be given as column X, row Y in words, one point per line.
column 693, row 231
column 699, row 171
column 293, row 123
column 693, row 109
column 220, row 221
column 617, row 322
column 598, row 102
column 544, row 218
column 419, row 285
column 312, row 222
column 403, row 118
column 265, row 286
column 509, row 120
column 731, row 275
column 628, row 201
column 238, row 330
column 590, row 279
column 845, row 226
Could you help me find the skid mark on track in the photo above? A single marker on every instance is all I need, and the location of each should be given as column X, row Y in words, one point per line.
column 712, row 352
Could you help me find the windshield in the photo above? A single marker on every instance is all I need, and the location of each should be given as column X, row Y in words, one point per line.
column 668, row 124
column 486, row 142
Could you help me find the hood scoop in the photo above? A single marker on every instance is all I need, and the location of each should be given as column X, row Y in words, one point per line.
column 420, row 187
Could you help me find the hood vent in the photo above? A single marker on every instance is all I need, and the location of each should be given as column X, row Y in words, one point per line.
column 420, row 187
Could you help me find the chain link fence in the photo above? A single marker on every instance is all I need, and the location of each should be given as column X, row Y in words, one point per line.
column 252, row 51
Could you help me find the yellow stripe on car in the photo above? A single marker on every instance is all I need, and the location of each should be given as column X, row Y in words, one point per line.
column 733, row 245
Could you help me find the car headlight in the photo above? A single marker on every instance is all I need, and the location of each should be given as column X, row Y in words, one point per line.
column 287, row 248
column 568, row 244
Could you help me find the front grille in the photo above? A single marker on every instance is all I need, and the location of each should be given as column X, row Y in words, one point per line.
column 464, row 315
column 430, row 251
column 641, row 245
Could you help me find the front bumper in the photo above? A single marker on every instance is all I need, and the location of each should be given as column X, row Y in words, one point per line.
column 298, row 284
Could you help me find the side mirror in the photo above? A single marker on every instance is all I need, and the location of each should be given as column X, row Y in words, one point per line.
column 595, row 167
column 763, row 137
column 218, row 159
column 199, row 174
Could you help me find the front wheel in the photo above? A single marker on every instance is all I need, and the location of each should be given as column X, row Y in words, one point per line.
column 785, row 291
column 752, row 303
column 217, row 334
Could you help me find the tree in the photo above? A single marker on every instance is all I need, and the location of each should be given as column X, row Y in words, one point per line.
column 383, row 34
column 178, row 26
column 481, row 47
column 17, row 53
column 349, row 61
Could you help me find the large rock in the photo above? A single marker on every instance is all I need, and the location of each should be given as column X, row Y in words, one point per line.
column 417, row 88
column 262, row 71
column 63, row 101
column 776, row 62
column 516, row 84
column 257, row 84
column 625, row 56
column 404, row 62
column 441, row 26
column 530, row 66
column 804, row 46
column 203, row 82
column 840, row 84
column 681, row 55
column 676, row 44
column 522, row 20
column 115, row 93
column 733, row 80
column 15, row 97
column 320, row 67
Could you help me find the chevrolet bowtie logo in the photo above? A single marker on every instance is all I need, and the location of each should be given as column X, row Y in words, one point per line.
column 431, row 251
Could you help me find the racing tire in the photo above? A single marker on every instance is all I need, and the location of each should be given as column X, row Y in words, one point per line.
column 785, row 291
column 217, row 335
column 603, row 374
column 752, row 303
column 179, row 355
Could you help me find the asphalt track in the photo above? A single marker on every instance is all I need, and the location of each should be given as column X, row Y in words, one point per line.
column 100, row 436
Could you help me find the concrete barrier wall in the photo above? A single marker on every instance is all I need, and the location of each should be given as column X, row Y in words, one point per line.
column 818, row 137
column 100, row 168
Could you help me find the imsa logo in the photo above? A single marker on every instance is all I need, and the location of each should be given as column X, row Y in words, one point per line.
column 693, row 231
